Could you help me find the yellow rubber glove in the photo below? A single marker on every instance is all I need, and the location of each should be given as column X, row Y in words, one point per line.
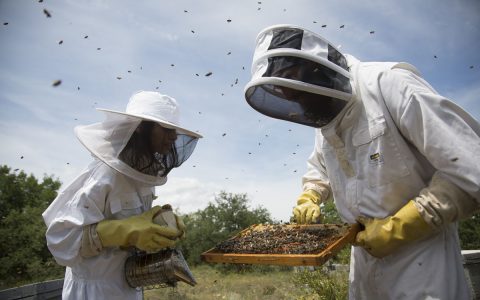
column 307, row 209
column 138, row 231
column 181, row 226
column 166, row 217
column 382, row 237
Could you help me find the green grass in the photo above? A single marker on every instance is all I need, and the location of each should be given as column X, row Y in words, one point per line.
column 213, row 283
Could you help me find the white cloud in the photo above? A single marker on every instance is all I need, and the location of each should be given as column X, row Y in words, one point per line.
column 42, row 150
column 191, row 194
column 186, row 194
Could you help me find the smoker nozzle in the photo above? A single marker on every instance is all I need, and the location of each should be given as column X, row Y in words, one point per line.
column 181, row 270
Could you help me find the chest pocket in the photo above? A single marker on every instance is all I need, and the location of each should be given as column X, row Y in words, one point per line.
column 126, row 205
column 377, row 154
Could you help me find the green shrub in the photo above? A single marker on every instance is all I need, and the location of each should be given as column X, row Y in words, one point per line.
column 246, row 268
column 24, row 256
column 469, row 231
column 228, row 215
column 327, row 285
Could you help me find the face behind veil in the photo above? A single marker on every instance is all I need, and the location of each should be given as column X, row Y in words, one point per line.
column 124, row 140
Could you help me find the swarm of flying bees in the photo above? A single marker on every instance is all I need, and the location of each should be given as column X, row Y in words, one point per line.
column 176, row 65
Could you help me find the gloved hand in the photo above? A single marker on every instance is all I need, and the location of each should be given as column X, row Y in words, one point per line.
column 165, row 216
column 382, row 237
column 181, row 226
column 307, row 209
column 138, row 231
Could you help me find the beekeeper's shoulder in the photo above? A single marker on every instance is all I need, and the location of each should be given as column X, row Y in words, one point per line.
column 104, row 175
column 406, row 66
column 398, row 83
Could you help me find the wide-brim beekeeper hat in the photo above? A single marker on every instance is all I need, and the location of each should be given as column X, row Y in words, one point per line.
column 106, row 140
column 155, row 107
column 298, row 76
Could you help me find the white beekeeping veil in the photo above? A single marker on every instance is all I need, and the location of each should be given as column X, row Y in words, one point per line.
column 108, row 140
column 298, row 76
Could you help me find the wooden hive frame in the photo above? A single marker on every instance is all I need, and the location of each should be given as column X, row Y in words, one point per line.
column 318, row 259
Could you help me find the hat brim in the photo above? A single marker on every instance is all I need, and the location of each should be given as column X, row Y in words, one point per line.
column 163, row 123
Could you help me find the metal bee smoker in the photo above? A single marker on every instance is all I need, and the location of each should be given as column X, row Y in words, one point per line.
column 161, row 269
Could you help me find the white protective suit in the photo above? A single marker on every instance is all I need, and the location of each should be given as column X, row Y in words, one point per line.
column 107, row 189
column 383, row 151
column 383, row 137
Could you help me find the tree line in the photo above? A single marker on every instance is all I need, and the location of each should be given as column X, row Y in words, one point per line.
column 25, row 258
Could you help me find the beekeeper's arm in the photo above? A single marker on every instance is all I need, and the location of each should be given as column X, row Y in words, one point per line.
column 448, row 137
column 138, row 231
column 76, row 225
column 79, row 205
column 316, row 188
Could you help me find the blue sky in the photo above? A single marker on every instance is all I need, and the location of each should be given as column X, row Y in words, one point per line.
column 163, row 45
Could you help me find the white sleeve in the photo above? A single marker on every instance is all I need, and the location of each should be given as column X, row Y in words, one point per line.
column 91, row 243
column 446, row 135
column 442, row 202
column 81, row 207
column 316, row 176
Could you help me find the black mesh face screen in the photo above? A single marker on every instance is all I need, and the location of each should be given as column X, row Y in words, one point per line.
column 142, row 158
column 304, row 70
column 292, row 38
column 293, row 105
column 179, row 153
column 337, row 57
column 286, row 38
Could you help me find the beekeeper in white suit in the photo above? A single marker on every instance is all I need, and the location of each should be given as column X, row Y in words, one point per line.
column 95, row 221
column 392, row 153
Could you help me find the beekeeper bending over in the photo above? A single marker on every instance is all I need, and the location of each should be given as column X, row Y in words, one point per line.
column 107, row 208
column 392, row 153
